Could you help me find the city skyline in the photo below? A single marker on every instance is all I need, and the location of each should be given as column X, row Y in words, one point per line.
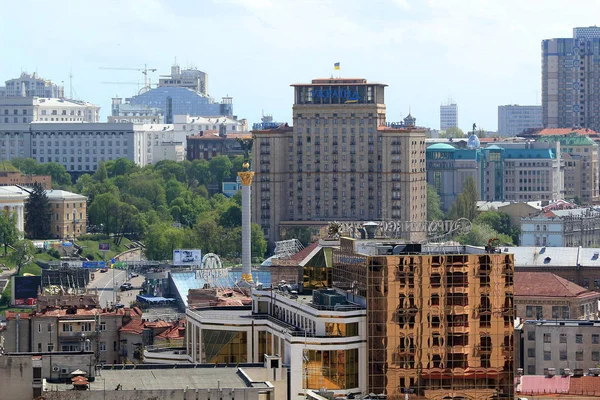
column 482, row 54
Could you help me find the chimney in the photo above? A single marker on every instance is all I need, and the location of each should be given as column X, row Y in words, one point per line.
column 371, row 229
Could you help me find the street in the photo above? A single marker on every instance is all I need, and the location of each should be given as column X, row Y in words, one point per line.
column 106, row 288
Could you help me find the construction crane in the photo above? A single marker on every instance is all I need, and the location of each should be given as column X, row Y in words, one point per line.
column 144, row 71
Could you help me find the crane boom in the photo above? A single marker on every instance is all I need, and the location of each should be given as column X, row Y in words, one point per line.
column 144, row 71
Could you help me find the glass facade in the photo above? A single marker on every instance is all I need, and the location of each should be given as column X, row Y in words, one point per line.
column 333, row 369
column 340, row 329
column 184, row 101
column 439, row 323
column 224, row 347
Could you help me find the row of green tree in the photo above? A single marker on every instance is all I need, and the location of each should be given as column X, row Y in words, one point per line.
column 485, row 226
column 167, row 205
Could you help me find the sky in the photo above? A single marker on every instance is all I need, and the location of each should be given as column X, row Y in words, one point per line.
column 480, row 54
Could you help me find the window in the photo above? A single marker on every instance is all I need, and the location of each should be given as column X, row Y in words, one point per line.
column 39, row 348
column 579, row 355
column 39, row 328
column 547, row 356
column 531, row 352
column 86, row 327
column 531, row 335
column 547, row 338
column 102, row 346
column 555, row 312
column 531, row 369
column 50, row 347
column 595, row 339
column 578, row 338
column 102, row 326
column 595, row 355
column 563, row 338
column 67, row 328
column 563, row 355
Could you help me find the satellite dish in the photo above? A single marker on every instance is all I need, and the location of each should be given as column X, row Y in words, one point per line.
column 143, row 90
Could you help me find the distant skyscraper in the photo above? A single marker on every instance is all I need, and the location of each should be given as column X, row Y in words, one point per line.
column 514, row 119
column 448, row 116
column 570, row 68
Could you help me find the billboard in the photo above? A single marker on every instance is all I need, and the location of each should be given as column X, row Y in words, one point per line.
column 93, row 264
column 187, row 257
column 24, row 288
column 104, row 246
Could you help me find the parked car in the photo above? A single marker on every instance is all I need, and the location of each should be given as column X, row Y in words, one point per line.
column 103, row 270
column 134, row 275
column 126, row 286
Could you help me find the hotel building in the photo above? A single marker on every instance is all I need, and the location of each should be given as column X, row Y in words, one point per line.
column 339, row 161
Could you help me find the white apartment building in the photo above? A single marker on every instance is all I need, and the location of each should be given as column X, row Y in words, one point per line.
column 23, row 110
column 189, row 125
column 448, row 116
column 514, row 119
column 174, row 151
column 80, row 147
column 31, row 85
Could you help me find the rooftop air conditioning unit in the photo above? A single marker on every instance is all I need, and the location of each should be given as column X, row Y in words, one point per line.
column 595, row 371
column 551, row 371
column 567, row 372
column 56, row 368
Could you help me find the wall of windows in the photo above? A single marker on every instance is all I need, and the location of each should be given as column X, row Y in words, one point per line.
column 333, row 369
column 224, row 347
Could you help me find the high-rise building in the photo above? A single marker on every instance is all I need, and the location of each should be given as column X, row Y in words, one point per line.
column 439, row 320
column 570, row 68
column 340, row 161
column 448, row 116
column 514, row 119
column 31, row 85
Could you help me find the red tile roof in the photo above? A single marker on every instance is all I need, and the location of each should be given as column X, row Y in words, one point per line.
column 176, row 331
column 585, row 385
column 302, row 254
column 135, row 326
column 545, row 284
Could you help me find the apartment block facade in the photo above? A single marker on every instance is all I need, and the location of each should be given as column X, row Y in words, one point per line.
column 339, row 161
column 564, row 345
column 514, row 119
column 571, row 80
column 448, row 116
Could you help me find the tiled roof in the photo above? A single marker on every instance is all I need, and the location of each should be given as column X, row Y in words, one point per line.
column 176, row 331
column 135, row 326
column 302, row 254
column 585, row 385
column 545, row 284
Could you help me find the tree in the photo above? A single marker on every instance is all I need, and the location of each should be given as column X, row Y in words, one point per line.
column 453, row 132
column 200, row 170
column 120, row 166
column 101, row 211
column 231, row 217
column 434, row 212
column 500, row 222
column 37, row 214
column 27, row 166
column 259, row 244
column 22, row 254
column 220, row 168
column 101, row 173
column 304, row 235
column 57, row 171
column 236, row 166
column 480, row 235
column 9, row 233
column 465, row 205
column 7, row 166
column 207, row 235
column 161, row 239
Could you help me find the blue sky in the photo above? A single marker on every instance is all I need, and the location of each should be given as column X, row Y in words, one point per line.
column 479, row 53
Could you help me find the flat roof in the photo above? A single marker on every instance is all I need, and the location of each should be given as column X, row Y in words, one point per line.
column 166, row 378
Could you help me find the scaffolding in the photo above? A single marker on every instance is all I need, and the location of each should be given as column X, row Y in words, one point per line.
column 286, row 248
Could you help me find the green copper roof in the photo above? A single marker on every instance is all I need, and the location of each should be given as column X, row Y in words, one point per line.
column 441, row 147
column 571, row 139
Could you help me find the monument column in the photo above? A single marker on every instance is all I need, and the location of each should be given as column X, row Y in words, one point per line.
column 246, row 177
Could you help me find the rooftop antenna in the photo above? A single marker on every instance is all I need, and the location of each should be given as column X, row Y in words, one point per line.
column 70, row 84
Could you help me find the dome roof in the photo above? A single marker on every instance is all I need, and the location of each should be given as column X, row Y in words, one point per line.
column 441, row 147
column 473, row 142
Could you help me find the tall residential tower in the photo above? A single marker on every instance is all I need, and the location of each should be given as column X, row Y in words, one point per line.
column 448, row 116
column 571, row 80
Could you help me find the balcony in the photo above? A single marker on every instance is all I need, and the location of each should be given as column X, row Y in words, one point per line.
column 76, row 334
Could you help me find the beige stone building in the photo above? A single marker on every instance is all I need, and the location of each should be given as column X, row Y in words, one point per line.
column 340, row 161
column 16, row 178
column 72, row 324
column 543, row 295
column 69, row 214
column 580, row 154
